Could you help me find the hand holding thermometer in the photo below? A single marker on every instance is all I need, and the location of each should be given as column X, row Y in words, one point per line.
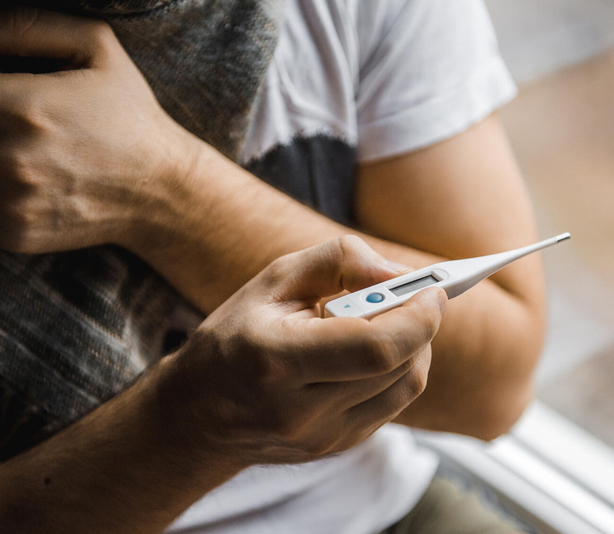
column 455, row 277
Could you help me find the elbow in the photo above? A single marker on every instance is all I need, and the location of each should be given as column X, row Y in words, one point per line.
column 500, row 414
column 508, row 384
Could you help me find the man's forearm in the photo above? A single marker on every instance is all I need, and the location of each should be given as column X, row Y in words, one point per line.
column 123, row 469
column 219, row 232
column 216, row 226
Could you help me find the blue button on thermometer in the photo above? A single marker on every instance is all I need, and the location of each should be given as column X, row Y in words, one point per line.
column 455, row 277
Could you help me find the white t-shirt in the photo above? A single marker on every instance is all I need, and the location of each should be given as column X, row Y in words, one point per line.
column 355, row 81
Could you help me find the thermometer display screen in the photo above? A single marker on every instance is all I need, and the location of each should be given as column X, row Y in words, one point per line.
column 414, row 285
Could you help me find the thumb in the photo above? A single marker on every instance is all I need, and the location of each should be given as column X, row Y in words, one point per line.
column 326, row 269
column 30, row 32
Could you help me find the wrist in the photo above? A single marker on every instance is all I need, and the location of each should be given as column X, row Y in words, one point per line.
column 165, row 191
column 183, row 425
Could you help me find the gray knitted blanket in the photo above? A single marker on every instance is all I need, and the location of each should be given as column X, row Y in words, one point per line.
column 77, row 327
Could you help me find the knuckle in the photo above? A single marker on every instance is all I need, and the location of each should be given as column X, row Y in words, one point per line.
column 100, row 33
column 380, row 353
column 431, row 325
column 104, row 45
column 205, row 336
column 415, row 383
column 285, row 424
column 406, row 390
column 29, row 111
column 20, row 171
column 20, row 208
column 428, row 323
column 19, row 234
column 349, row 244
column 277, row 271
column 418, row 383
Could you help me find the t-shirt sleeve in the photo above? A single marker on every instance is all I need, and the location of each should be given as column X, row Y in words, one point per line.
column 432, row 71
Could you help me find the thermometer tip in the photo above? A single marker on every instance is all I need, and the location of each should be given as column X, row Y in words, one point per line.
column 563, row 237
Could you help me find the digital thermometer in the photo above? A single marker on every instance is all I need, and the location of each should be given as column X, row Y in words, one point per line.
column 455, row 277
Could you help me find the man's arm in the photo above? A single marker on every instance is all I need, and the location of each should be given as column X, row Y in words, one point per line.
column 191, row 423
column 461, row 198
column 466, row 197
column 208, row 226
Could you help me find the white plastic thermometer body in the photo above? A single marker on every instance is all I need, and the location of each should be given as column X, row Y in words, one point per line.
column 455, row 277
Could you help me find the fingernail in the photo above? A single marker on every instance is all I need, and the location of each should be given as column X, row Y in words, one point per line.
column 398, row 267
column 443, row 302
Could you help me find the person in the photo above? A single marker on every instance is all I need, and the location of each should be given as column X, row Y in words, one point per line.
column 363, row 117
column 263, row 380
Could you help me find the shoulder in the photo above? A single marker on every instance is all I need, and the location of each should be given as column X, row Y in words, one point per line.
column 362, row 30
column 379, row 72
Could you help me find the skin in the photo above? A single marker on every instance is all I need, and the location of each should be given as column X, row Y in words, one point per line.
column 264, row 380
column 69, row 181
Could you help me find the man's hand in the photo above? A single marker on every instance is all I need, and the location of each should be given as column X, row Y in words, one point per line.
column 275, row 383
column 78, row 147
column 264, row 380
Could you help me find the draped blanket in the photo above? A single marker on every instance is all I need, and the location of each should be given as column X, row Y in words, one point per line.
column 77, row 327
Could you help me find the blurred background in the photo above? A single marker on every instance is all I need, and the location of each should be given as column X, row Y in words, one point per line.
column 561, row 54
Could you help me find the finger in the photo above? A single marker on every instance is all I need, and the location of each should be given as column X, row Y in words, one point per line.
column 340, row 349
column 388, row 404
column 345, row 395
column 362, row 420
column 326, row 269
column 424, row 310
column 30, row 32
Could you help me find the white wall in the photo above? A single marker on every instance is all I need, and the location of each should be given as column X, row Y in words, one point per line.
column 541, row 36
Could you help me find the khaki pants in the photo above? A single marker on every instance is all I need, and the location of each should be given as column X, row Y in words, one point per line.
column 446, row 509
